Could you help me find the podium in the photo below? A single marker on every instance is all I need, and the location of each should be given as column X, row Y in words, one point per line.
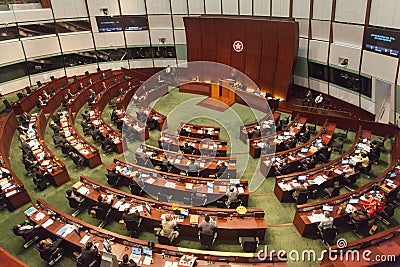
column 224, row 92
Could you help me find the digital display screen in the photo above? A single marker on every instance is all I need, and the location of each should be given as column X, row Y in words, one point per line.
column 135, row 23
column 109, row 24
column 382, row 41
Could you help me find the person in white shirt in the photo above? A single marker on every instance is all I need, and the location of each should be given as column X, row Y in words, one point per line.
column 318, row 100
column 326, row 222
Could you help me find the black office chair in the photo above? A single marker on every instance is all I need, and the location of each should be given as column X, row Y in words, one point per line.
column 328, row 236
column 313, row 128
column 103, row 215
column 337, row 146
column 285, row 122
column 7, row 104
column 164, row 198
column 78, row 206
column 52, row 78
column 382, row 141
column 39, row 84
column 107, row 149
column 249, row 243
column 386, row 214
column 350, row 181
column 136, row 189
column 51, row 258
column 164, row 240
column 234, row 204
column 133, row 227
column 75, row 78
column 79, row 161
column 30, row 236
column 113, row 180
column 342, row 136
column 79, row 263
column 87, row 73
column 361, row 227
column 301, row 198
column 332, row 191
column 207, row 240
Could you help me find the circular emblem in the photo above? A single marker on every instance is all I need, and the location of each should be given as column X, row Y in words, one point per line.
column 238, row 46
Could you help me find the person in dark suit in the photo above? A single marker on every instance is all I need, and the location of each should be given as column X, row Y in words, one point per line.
column 69, row 94
column 25, row 229
column 141, row 115
column 89, row 254
column 323, row 152
column 304, row 137
column 108, row 142
column 126, row 262
column 24, row 117
column 183, row 132
column 193, row 168
column 26, row 149
column 187, row 149
column 80, row 86
column 65, row 101
column 307, row 99
column 54, row 127
column 48, row 246
column 220, row 169
column 120, row 91
column 282, row 167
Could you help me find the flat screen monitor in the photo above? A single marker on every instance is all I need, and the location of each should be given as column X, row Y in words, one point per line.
column 286, row 133
column 148, row 208
column 302, row 178
column 357, row 151
column 382, row 41
column 365, row 140
column 210, row 184
column 304, row 150
column 147, row 251
column 354, row 200
column 393, row 174
column 345, row 161
column 109, row 24
column 136, row 251
column 184, row 212
column 106, row 245
column 327, row 208
column 135, row 23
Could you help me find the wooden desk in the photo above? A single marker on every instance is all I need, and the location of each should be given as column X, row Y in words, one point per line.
column 81, row 146
column 308, row 228
column 27, row 103
column 183, row 185
column 7, row 130
column 122, row 244
column 279, row 140
column 180, row 162
column 198, row 131
column 175, row 143
column 7, row 259
column 330, row 171
column 55, row 167
column 132, row 124
column 384, row 245
column 295, row 155
column 246, row 131
column 104, row 128
column 230, row 226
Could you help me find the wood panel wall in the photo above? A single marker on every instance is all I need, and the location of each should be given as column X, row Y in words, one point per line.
column 270, row 48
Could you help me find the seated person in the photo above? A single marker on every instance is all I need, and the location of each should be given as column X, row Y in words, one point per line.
column 326, row 222
column 323, row 152
column 207, row 135
column 71, row 194
column 131, row 221
column 89, row 254
column 65, row 101
column 232, row 195
column 307, row 99
column 193, row 168
column 282, row 167
column 49, row 246
column 187, row 149
column 220, row 168
column 168, row 224
column 256, row 132
column 54, row 127
column 358, row 216
column 80, row 86
column 24, row 117
column 141, row 115
column 183, row 132
column 108, row 142
column 362, row 161
column 120, row 91
column 349, row 170
column 207, row 226
column 25, row 229
column 69, row 94
column 298, row 190
column 126, row 262
column 306, row 135
column 375, row 151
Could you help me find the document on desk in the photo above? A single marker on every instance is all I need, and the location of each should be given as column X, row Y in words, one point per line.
column 39, row 216
column 316, row 217
column 83, row 190
column 147, row 260
column 171, row 264
column 119, row 203
column 150, row 181
column 338, row 171
column 170, row 184
column 47, row 223
column 85, row 239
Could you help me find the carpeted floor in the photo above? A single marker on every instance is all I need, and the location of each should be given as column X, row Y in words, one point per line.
column 281, row 234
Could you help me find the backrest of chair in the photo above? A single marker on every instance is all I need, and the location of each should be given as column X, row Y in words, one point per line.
column 235, row 204
column 206, row 239
column 164, row 240
column 249, row 244
column 302, row 197
column 131, row 225
column 135, row 189
column 73, row 203
column 329, row 234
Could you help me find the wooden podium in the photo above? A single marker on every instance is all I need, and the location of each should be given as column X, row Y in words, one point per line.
column 223, row 92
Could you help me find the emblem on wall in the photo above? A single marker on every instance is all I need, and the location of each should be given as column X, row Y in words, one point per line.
column 238, row 46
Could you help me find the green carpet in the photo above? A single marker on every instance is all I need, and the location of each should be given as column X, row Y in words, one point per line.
column 281, row 234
